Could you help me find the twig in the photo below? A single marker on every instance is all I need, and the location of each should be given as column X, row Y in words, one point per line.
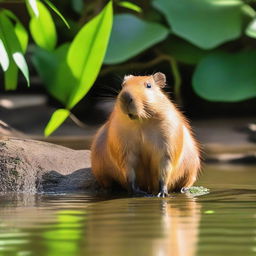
column 177, row 79
column 78, row 122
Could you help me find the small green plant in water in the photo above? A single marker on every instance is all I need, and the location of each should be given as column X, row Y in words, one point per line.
column 198, row 191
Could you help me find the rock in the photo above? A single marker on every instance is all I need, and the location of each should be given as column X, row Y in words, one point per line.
column 34, row 166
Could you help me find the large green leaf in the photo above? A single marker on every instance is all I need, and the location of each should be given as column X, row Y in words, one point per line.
column 183, row 51
column 33, row 7
column 131, row 36
column 19, row 30
column 77, row 6
column 87, row 52
column 4, row 59
column 42, row 28
column 53, row 7
column 14, row 51
column 205, row 23
column 57, row 118
column 226, row 77
column 11, row 76
column 21, row 64
column 251, row 29
column 46, row 64
column 54, row 71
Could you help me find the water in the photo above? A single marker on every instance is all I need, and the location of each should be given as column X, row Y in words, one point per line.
column 222, row 222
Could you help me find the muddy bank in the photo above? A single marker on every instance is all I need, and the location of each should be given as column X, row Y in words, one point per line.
column 34, row 166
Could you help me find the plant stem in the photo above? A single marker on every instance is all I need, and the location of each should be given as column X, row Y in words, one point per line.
column 177, row 79
column 77, row 121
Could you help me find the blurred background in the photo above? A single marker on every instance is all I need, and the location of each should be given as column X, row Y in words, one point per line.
column 64, row 61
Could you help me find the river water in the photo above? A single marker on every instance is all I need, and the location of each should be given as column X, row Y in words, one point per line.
column 222, row 222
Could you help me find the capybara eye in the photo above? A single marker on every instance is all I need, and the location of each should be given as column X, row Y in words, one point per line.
column 148, row 85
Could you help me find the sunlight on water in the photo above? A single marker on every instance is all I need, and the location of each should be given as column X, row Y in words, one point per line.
column 219, row 223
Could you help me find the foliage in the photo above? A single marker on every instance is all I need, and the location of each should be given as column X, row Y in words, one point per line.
column 214, row 37
column 133, row 36
column 225, row 72
column 199, row 31
column 13, row 40
column 202, row 22
column 68, row 71
column 71, row 70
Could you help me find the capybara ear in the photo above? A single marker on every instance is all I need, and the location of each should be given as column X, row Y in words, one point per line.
column 160, row 79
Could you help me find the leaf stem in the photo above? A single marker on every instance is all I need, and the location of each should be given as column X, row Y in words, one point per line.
column 78, row 122
column 177, row 79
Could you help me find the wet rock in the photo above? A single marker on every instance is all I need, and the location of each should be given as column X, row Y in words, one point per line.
column 34, row 166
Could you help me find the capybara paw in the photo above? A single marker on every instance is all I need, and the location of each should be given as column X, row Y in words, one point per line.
column 163, row 193
column 184, row 190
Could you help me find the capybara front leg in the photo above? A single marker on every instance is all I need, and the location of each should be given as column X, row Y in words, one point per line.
column 165, row 171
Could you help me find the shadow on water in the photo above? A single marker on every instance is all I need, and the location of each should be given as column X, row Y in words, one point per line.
column 220, row 223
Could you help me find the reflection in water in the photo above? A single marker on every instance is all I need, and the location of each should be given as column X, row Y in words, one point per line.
column 180, row 226
column 64, row 236
column 129, row 226
column 220, row 223
column 40, row 225
column 143, row 227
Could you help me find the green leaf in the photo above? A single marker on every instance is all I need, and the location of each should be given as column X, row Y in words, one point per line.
column 42, row 28
column 57, row 118
column 130, row 6
column 22, row 36
column 207, row 23
column 183, row 51
column 77, row 6
column 19, row 30
column 53, row 7
column 22, row 65
column 14, row 51
column 33, row 6
column 131, row 36
column 251, row 29
column 226, row 77
column 46, row 64
column 54, row 71
column 11, row 76
column 4, row 59
column 87, row 52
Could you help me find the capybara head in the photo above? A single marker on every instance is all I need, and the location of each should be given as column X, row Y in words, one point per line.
column 141, row 95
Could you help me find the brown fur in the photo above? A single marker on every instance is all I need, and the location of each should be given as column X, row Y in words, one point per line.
column 154, row 145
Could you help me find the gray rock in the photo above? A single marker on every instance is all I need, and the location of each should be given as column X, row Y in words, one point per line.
column 34, row 166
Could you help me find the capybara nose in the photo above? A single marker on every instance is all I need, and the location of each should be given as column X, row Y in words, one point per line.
column 126, row 98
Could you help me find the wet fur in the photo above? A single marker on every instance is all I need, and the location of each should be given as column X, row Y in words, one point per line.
column 158, row 145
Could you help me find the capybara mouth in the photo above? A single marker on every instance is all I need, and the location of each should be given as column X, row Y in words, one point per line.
column 132, row 116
